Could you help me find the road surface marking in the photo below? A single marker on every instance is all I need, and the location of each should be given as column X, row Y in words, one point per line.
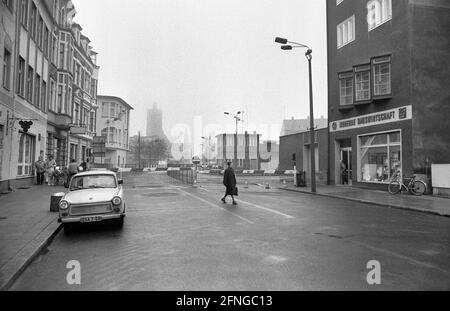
column 215, row 205
column 394, row 254
column 204, row 189
column 267, row 209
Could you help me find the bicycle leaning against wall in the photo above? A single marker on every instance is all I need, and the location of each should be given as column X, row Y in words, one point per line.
column 414, row 186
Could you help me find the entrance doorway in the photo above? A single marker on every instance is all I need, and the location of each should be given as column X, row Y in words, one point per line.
column 346, row 166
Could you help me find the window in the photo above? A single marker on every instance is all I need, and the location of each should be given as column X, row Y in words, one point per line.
column 241, row 140
column 113, row 110
column 54, row 49
column 32, row 25
column 346, row 88
column 346, row 32
column 44, row 96
column 24, row 12
column 105, row 110
column 381, row 68
column 46, row 34
column 230, row 140
column 37, row 91
column 252, row 141
column 380, row 157
column 92, row 121
column 378, row 12
column 20, row 77
column 75, row 114
column 362, row 83
column 39, row 31
column 6, row 69
column 339, row 2
column 26, row 155
column 30, row 77
column 110, row 133
column 52, row 105
column 61, row 55
column 60, row 98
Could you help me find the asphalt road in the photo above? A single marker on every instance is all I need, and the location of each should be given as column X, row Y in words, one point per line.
column 182, row 238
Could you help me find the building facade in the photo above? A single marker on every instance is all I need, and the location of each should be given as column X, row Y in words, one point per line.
column 250, row 152
column 295, row 149
column 388, row 96
column 37, row 46
column 294, row 126
column 113, row 122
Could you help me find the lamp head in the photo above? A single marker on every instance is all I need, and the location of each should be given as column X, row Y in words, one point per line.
column 281, row 40
column 286, row 47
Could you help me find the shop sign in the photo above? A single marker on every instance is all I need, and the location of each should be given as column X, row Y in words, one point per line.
column 78, row 130
column 388, row 116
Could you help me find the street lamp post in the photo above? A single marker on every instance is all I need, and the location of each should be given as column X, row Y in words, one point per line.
column 238, row 118
column 289, row 45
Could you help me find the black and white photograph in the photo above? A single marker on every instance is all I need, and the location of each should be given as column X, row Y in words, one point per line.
column 224, row 150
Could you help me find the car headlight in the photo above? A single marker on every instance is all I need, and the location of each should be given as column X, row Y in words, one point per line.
column 64, row 205
column 117, row 201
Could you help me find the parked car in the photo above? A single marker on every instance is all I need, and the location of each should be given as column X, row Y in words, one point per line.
column 92, row 197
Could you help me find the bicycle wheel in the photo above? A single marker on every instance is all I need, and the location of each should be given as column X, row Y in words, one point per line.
column 394, row 187
column 419, row 187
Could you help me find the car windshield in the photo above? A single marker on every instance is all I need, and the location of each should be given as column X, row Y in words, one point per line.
column 92, row 182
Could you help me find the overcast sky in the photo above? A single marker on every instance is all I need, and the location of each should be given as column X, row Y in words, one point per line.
column 199, row 58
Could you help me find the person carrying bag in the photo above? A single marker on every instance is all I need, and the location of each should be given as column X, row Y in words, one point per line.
column 229, row 181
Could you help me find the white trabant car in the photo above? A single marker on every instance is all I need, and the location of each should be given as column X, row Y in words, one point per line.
column 93, row 196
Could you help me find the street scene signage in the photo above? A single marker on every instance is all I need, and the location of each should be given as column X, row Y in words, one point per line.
column 78, row 130
column 388, row 116
column 99, row 146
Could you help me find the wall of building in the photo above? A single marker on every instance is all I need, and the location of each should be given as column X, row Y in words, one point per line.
column 430, row 83
column 298, row 144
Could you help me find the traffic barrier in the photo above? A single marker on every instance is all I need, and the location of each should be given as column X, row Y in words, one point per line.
column 269, row 172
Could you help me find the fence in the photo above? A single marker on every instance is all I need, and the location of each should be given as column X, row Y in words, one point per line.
column 185, row 176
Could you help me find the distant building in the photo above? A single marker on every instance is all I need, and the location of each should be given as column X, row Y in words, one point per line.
column 155, row 123
column 251, row 153
column 294, row 126
column 113, row 122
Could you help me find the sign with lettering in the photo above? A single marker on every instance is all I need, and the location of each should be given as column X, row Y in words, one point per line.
column 99, row 146
column 388, row 116
column 78, row 130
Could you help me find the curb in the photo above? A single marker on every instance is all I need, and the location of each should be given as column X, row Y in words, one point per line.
column 16, row 265
column 436, row 213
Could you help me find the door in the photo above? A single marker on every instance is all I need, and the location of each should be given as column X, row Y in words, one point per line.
column 346, row 166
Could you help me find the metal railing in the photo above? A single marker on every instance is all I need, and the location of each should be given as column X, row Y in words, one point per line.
column 184, row 176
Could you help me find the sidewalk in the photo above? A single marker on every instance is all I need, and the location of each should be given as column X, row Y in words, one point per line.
column 426, row 203
column 26, row 226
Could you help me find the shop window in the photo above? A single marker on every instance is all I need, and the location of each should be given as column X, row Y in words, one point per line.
column 379, row 156
column 26, row 155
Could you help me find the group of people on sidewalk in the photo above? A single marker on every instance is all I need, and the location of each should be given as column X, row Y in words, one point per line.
column 50, row 173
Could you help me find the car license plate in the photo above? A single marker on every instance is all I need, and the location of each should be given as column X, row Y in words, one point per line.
column 91, row 219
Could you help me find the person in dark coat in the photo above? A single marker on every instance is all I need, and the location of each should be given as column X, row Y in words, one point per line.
column 229, row 181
